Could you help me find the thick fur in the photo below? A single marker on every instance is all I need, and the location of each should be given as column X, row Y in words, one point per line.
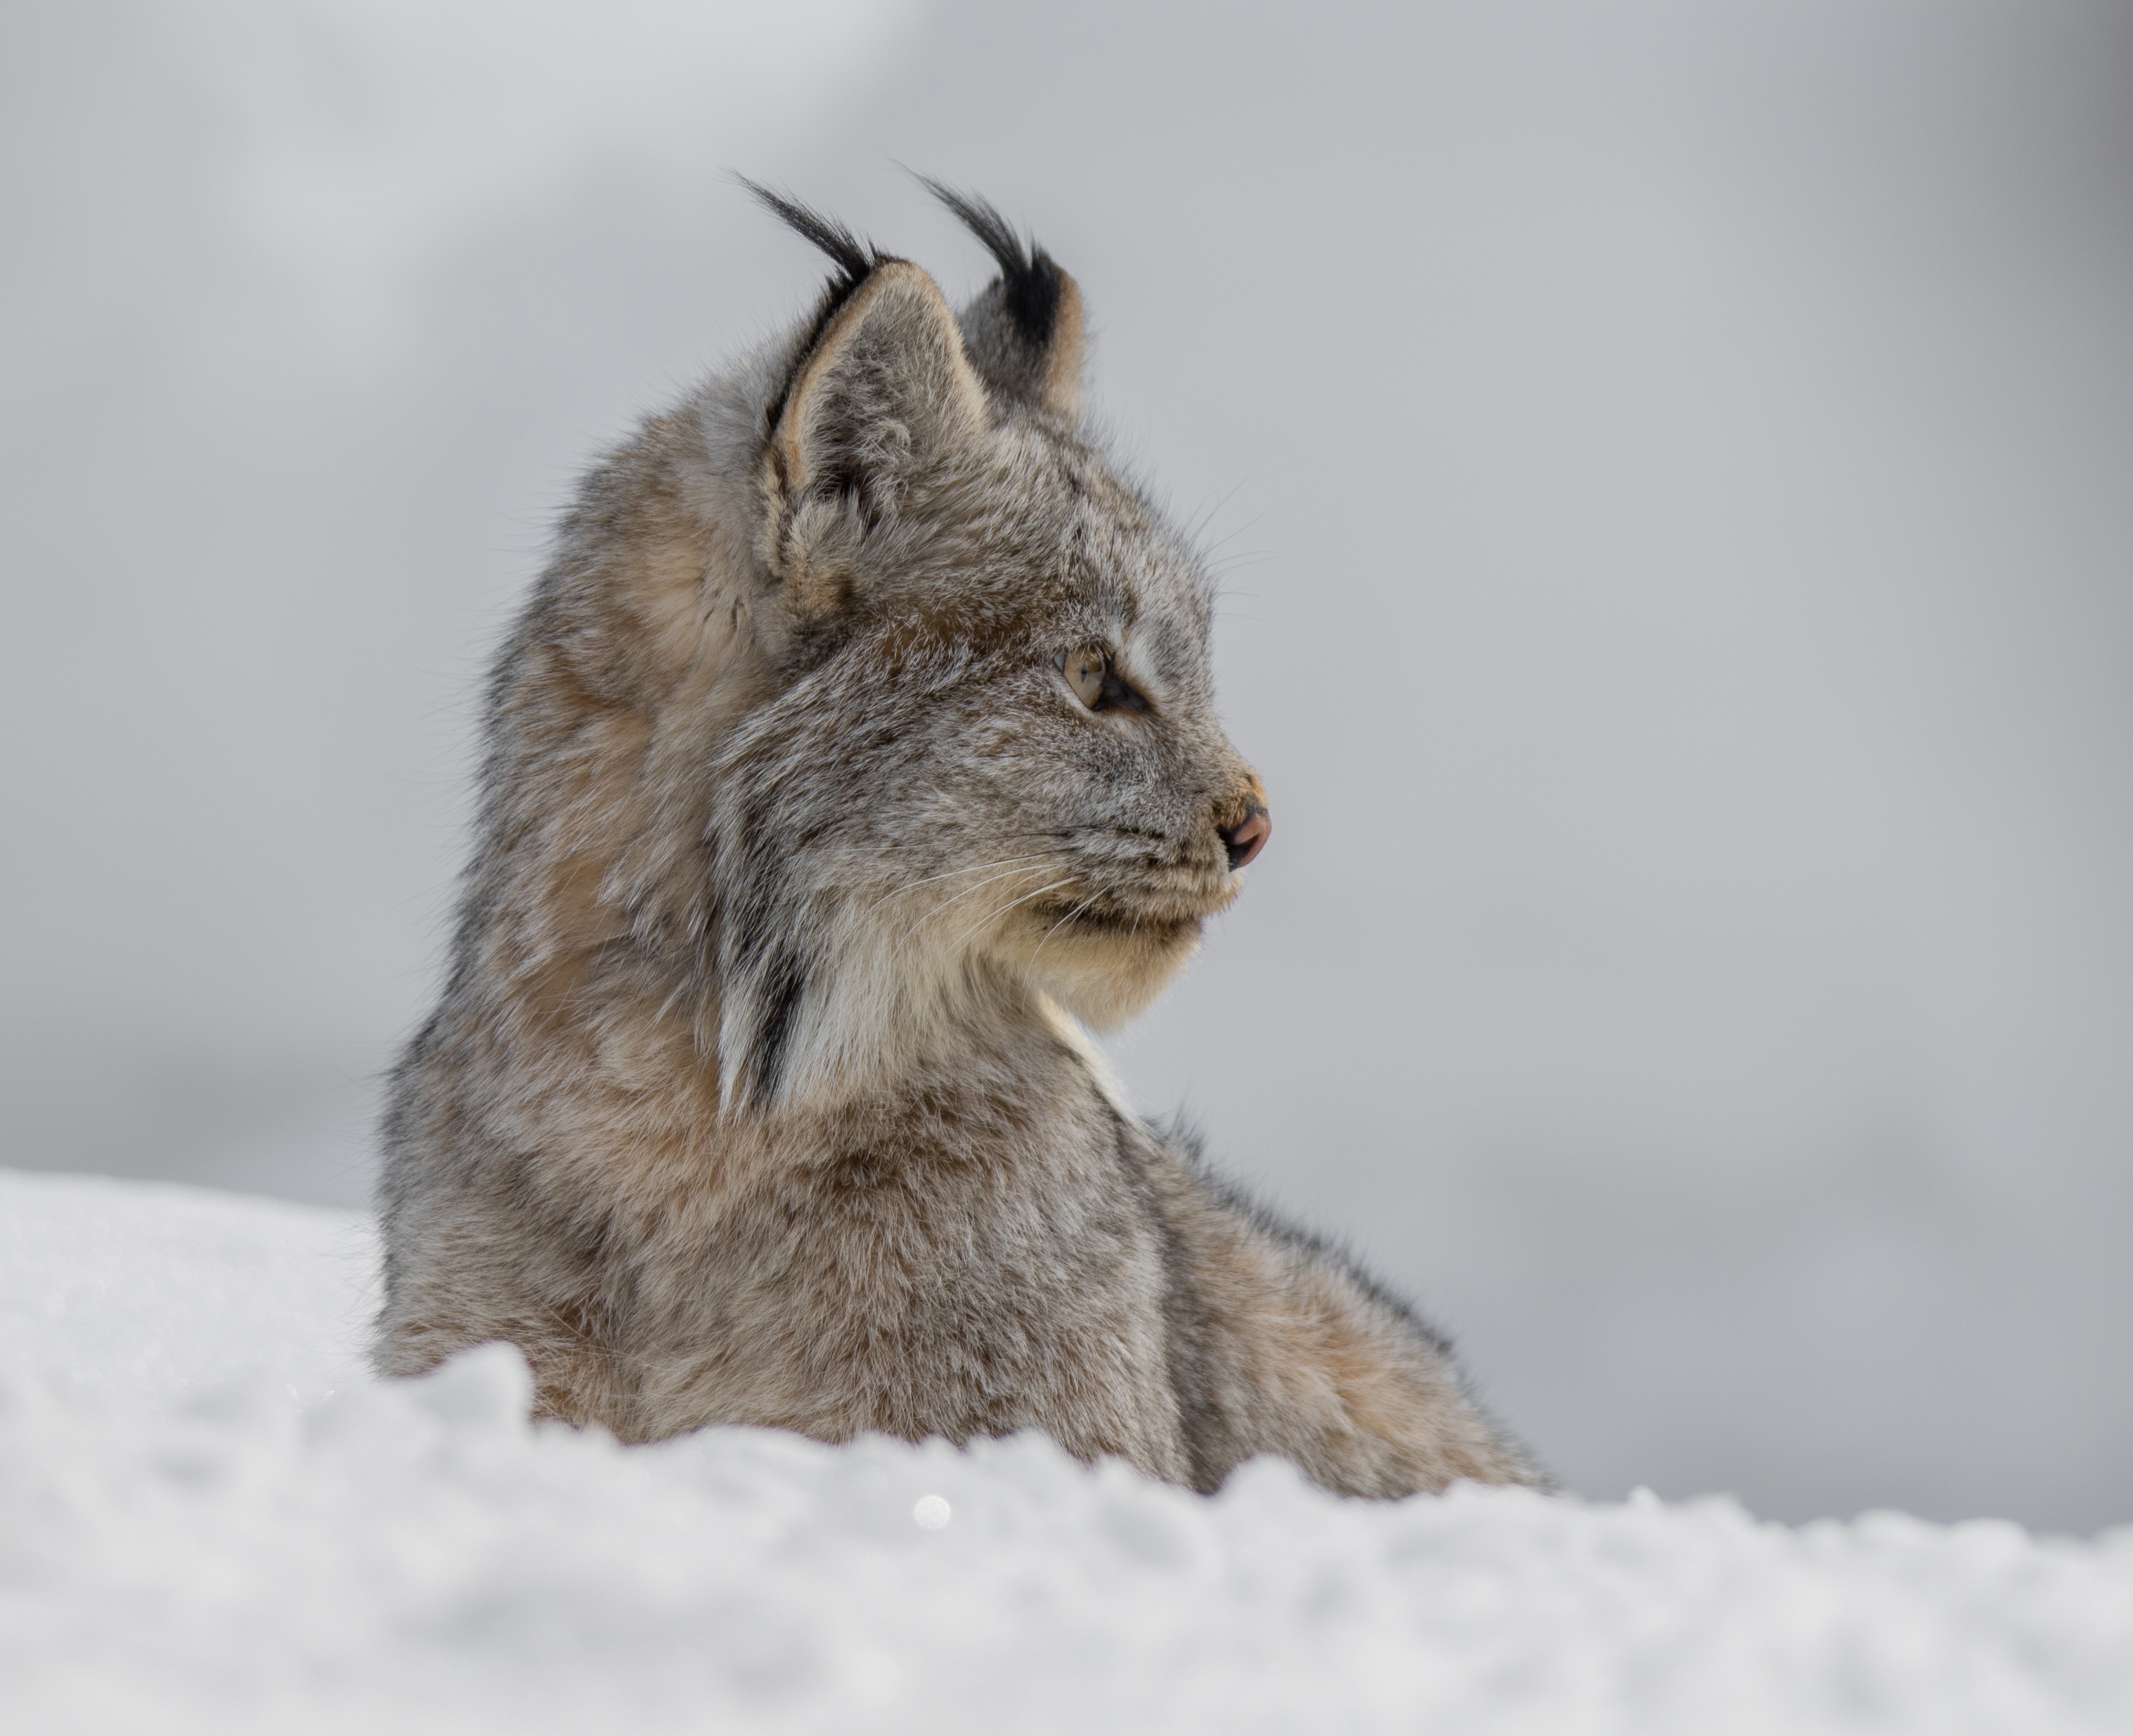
column 758, row 1092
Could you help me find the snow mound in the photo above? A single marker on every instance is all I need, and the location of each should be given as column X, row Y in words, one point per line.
column 210, row 1520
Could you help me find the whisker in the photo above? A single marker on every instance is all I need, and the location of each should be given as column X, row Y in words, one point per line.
column 1202, row 521
column 958, row 897
column 995, row 915
column 1231, row 537
column 950, row 873
column 1070, row 915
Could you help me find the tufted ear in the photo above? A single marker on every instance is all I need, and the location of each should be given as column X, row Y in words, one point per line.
column 1023, row 330
column 885, row 393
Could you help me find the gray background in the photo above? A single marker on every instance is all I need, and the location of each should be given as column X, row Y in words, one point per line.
column 1673, row 467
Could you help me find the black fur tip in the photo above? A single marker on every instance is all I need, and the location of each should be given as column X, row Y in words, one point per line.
column 852, row 257
column 1029, row 281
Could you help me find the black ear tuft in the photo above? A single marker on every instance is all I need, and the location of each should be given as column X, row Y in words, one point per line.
column 853, row 258
column 1030, row 283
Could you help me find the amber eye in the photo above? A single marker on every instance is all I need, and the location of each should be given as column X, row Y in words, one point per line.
column 1085, row 670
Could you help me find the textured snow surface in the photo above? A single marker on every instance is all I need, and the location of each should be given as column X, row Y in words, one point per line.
column 210, row 1520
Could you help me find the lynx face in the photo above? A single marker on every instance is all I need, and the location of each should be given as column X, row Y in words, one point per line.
column 992, row 747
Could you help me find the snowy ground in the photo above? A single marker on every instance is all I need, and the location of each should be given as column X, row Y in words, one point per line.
column 210, row 1520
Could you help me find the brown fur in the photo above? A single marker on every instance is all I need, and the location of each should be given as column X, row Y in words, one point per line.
column 759, row 1093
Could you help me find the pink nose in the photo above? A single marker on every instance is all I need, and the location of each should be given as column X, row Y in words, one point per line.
column 1247, row 838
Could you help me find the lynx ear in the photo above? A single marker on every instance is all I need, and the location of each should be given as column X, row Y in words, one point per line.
column 1023, row 330
column 885, row 393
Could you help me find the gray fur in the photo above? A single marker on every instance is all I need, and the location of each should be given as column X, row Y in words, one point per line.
column 757, row 1092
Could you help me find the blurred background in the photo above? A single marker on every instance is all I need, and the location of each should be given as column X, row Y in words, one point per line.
column 1672, row 466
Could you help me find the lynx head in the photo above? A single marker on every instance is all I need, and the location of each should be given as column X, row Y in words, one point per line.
column 978, row 754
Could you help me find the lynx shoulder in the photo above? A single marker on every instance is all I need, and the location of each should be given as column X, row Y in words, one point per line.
column 857, row 750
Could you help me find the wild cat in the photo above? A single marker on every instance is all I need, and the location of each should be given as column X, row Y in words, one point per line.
column 856, row 750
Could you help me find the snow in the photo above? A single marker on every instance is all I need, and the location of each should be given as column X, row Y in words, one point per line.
column 211, row 1520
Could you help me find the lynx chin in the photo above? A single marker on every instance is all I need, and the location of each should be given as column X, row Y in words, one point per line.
column 857, row 750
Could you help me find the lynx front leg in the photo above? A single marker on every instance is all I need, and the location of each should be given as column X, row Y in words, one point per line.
column 1296, row 1354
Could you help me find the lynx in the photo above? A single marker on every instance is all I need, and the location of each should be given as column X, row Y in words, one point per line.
column 855, row 754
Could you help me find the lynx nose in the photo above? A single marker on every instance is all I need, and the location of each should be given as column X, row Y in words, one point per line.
column 1247, row 838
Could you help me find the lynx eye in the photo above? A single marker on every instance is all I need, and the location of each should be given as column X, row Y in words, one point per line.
column 1086, row 671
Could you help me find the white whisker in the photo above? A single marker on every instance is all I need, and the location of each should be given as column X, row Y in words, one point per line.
column 979, row 887
column 995, row 915
column 974, row 867
column 1070, row 915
